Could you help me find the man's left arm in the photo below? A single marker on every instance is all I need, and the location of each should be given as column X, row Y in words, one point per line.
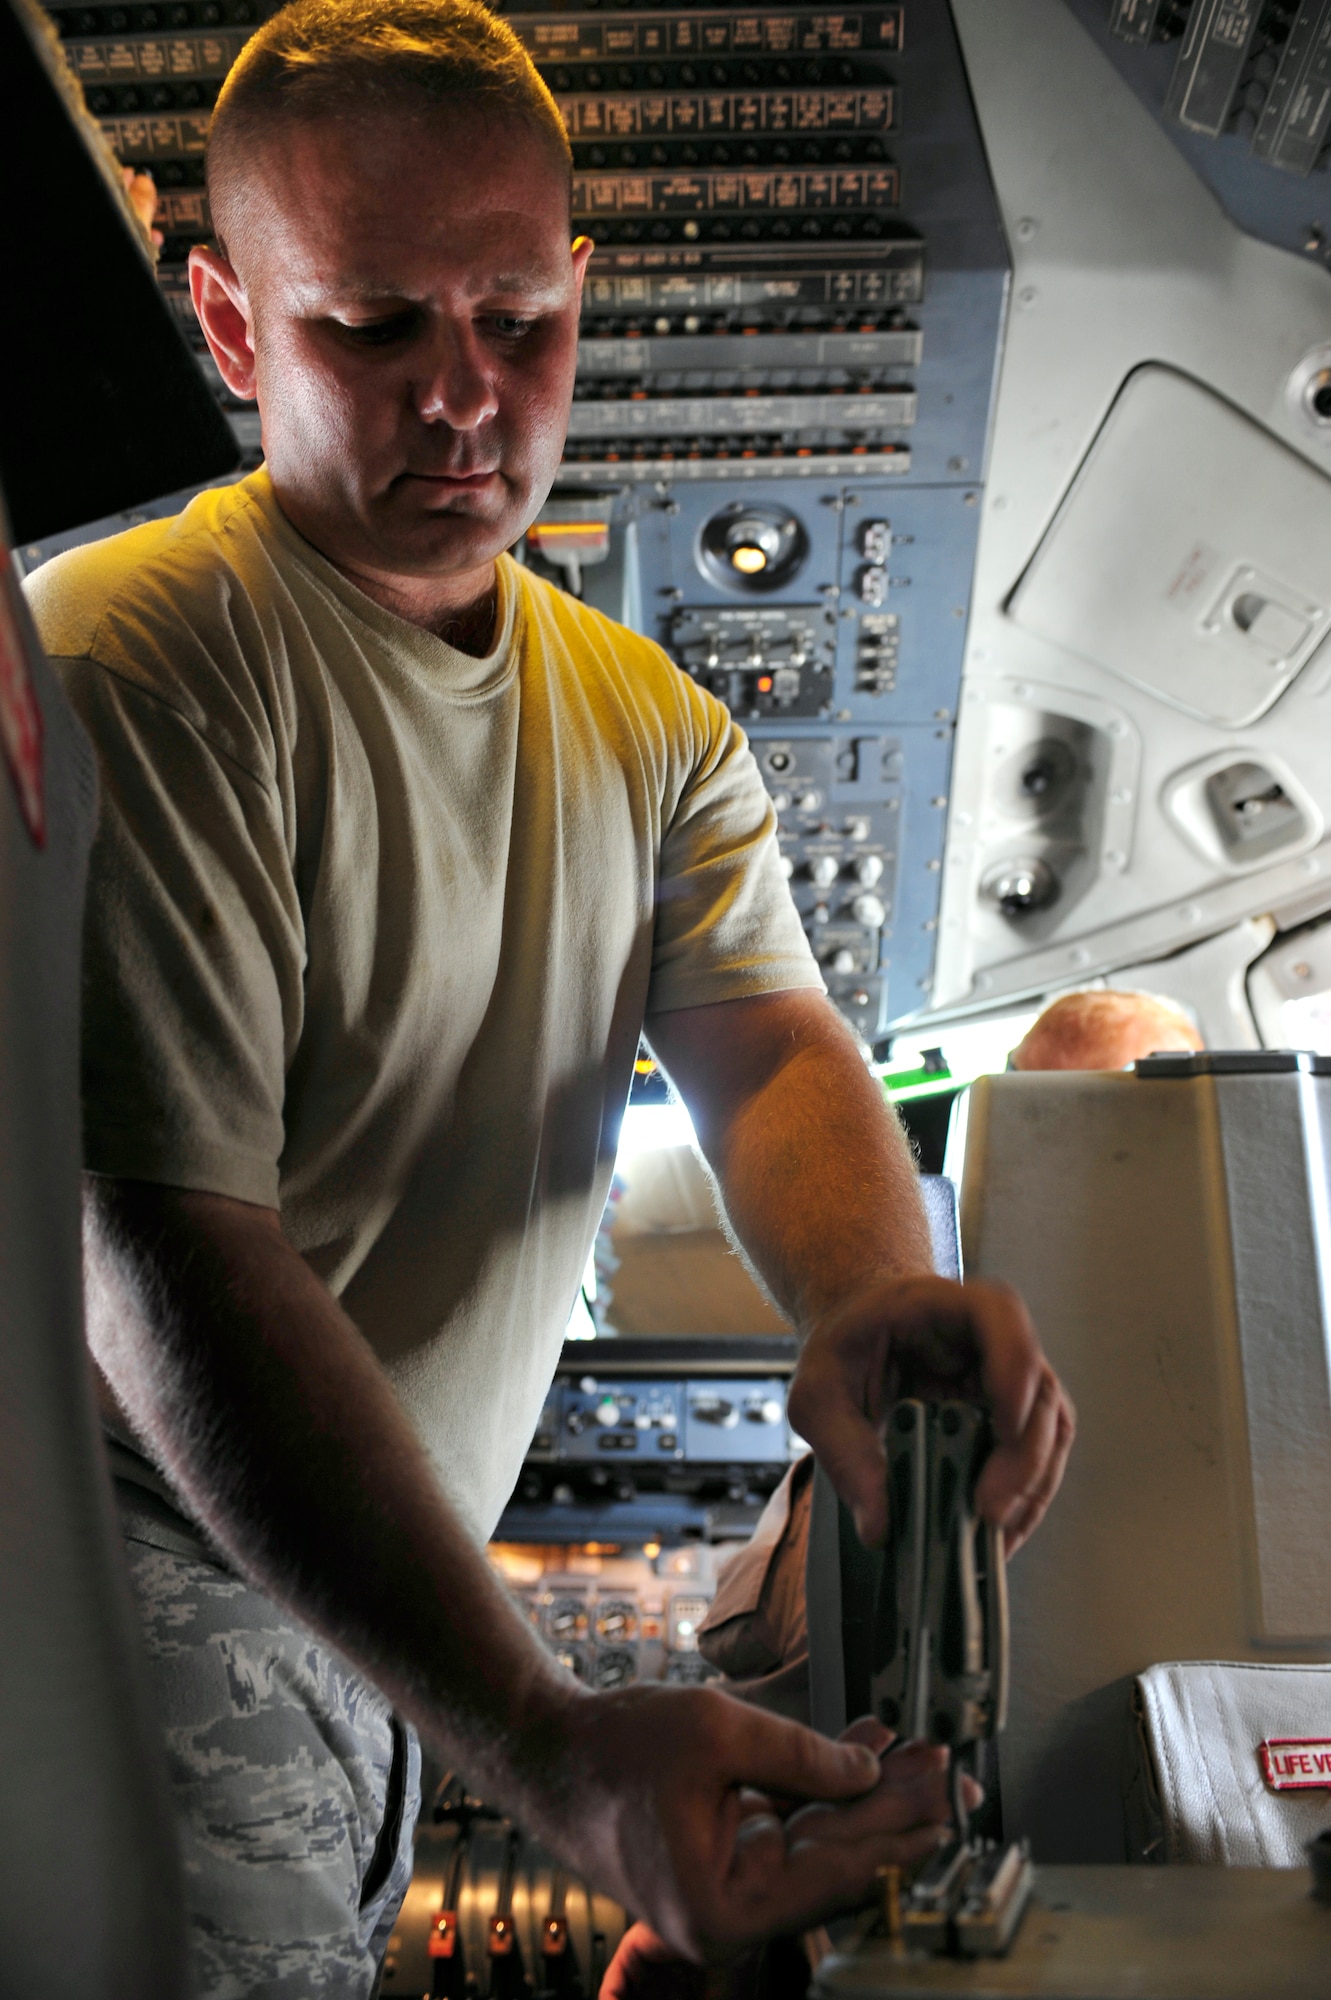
column 820, row 1190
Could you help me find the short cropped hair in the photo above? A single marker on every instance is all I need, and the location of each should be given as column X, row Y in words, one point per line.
column 1104, row 1028
column 317, row 59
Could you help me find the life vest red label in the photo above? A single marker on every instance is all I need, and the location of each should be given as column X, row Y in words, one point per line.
column 20, row 717
column 1297, row 1763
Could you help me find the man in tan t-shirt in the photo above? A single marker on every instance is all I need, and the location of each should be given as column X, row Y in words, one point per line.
column 399, row 850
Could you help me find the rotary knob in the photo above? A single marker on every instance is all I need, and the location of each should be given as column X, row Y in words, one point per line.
column 869, row 911
column 824, row 869
column 787, row 866
column 869, row 870
column 843, row 961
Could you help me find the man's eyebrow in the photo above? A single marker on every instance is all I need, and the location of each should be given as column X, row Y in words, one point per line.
column 536, row 279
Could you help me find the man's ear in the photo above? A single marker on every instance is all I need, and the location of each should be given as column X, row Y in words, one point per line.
column 582, row 250
column 223, row 313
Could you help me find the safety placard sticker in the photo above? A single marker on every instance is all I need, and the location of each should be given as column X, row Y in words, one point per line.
column 20, row 717
column 1297, row 1763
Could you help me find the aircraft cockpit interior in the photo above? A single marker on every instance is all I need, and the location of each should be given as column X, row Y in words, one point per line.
column 949, row 409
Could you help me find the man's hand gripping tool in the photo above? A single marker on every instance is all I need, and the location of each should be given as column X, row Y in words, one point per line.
column 940, row 1658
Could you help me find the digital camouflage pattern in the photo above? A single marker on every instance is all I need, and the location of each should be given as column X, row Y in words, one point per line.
column 297, row 1787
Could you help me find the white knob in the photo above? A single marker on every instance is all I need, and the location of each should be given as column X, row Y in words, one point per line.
column 819, row 914
column 869, row 911
column 843, row 960
column 769, row 1411
column 807, row 801
column 787, row 866
column 824, row 869
column 781, row 800
column 869, row 869
column 857, row 829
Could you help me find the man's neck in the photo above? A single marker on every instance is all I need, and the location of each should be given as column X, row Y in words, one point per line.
column 462, row 613
column 459, row 609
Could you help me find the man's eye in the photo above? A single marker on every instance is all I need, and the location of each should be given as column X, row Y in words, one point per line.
column 511, row 326
column 377, row 332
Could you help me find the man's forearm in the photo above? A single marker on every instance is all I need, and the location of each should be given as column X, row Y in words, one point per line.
column 814, row 1169
column 274, row 1421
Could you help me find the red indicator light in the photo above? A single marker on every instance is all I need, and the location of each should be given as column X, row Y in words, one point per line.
column 764, row 683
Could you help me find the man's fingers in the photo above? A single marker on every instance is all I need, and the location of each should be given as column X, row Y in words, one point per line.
column 823, row 1411
column 815, row 1879
column 913, row 1791
column 1025, row 1517
column 769, row 1754
column 1023, row 1474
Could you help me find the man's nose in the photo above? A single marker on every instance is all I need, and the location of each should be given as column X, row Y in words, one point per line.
column 456, row 387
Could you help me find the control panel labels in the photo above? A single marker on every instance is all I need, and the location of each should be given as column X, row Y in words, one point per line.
column 578, row 38
column 722, row 193
column 726, row 113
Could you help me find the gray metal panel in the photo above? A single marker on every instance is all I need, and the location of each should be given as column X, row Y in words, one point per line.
column 1125, row 1934
column 1103, row 1198
column 1273, row 1142
column 712, row 415
column 901, row 349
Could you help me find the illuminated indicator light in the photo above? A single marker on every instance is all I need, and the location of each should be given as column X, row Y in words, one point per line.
column 651, row 1550
column 644, row 1066
column 748, row 559
column 764, row 683
column 501, row 1937
column 554, row 1937
column 443, row 1935
column 563, row 531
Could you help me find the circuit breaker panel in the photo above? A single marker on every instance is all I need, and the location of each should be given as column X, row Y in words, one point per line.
column 790, row 331
column 776, row 451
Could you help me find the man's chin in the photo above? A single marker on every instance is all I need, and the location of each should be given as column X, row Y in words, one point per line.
column 433, row 539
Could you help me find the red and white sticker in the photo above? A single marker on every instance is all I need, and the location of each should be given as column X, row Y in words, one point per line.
column 20, row 717
column 1297, row 1763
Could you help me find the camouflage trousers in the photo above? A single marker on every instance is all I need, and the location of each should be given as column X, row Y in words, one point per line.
column 296, row 1785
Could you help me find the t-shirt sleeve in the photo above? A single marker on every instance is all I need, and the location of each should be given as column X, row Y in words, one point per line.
column 193, row 952
column 726, row 925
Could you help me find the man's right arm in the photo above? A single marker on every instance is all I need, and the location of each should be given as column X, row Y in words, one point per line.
column 272, row 1418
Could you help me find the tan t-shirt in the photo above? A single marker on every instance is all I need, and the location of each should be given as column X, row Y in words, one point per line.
column 373, row 926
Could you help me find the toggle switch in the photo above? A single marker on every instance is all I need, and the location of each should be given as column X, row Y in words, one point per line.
column 876, row 542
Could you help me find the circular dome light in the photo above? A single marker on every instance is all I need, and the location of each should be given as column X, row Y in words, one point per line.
column 752, row 546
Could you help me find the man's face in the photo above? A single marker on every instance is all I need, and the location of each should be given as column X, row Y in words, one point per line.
column 412, row 308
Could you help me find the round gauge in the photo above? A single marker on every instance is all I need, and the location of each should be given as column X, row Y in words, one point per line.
column 615, row 1669
column 752, row 546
